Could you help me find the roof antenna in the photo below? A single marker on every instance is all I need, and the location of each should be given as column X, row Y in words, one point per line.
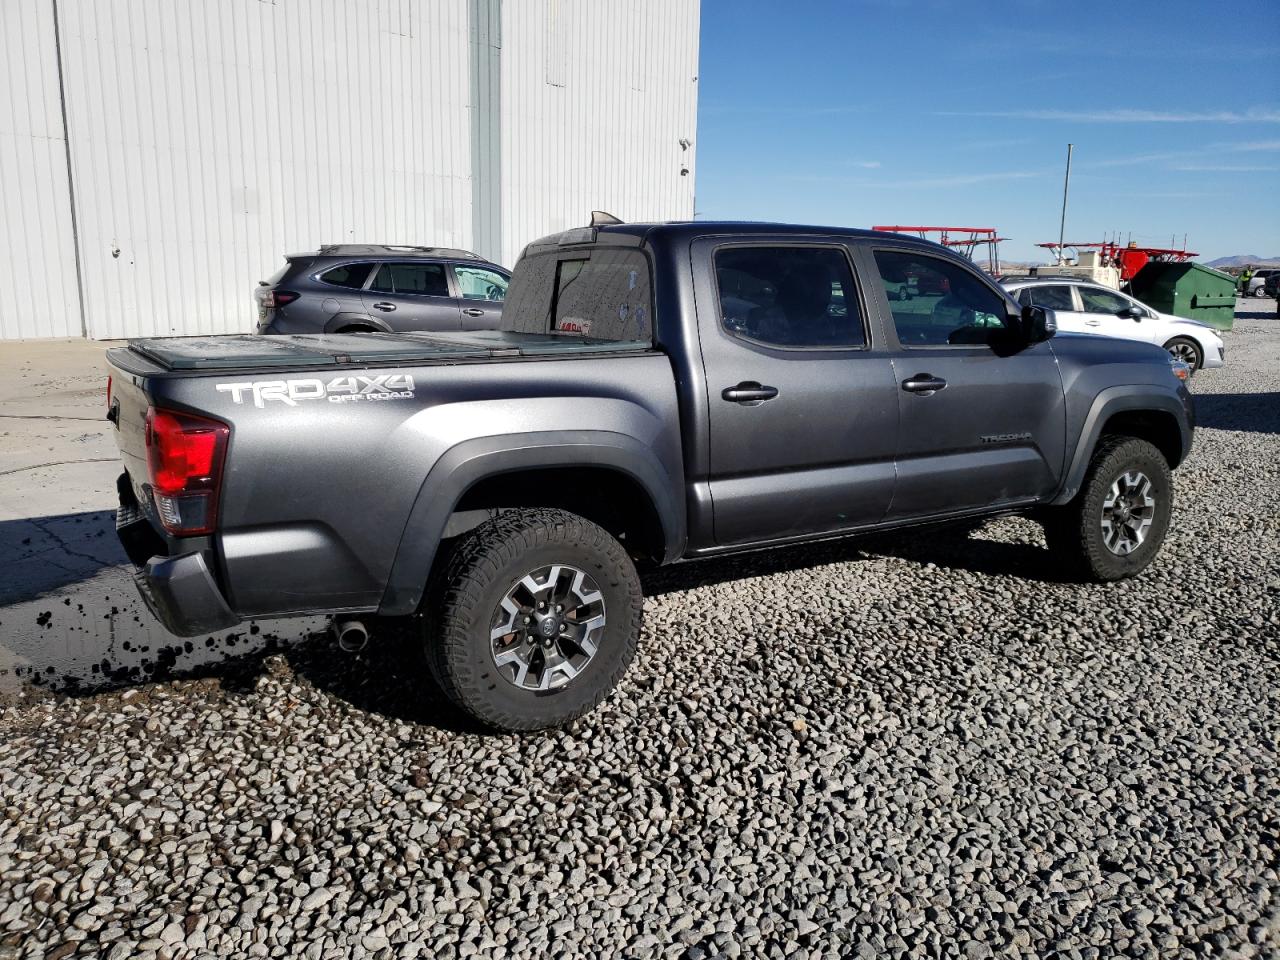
column 601, row 219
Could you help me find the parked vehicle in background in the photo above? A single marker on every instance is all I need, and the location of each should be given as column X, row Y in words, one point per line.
column 1271, row 287
column 359, row 288
column 1083, row 307
column 1257, row 285
column 657, row 392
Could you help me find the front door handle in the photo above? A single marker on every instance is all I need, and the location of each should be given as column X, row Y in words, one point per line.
column 748, row 391
column 924, row 384
column 388, row 307
column 473, row 312
column 1093, row 323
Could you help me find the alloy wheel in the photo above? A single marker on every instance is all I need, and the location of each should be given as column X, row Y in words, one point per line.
column 547, row 628
column 1185, row 352
column 1127, row 512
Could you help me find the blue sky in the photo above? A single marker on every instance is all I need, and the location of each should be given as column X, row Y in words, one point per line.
column 927, row 111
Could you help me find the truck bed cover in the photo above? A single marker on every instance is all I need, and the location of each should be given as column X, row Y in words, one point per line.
column 322, row 350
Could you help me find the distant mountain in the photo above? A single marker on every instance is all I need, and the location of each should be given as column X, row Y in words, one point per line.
column 1240, row 261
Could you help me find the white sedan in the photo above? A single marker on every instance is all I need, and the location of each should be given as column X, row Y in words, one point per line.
column 1083, row 307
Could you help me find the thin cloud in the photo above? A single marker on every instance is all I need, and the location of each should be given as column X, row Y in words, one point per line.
column 1201, row 160
column 797, row 110
column 1248, row 146
column 1221, row 168
column 956, row 180
column 1126, row 116
column 1172, row 195
column 866, row 164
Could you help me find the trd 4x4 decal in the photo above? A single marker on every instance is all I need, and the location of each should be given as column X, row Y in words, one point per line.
column 346, row 389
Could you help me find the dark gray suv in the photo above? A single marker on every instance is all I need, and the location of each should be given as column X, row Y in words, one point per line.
column 349, row 288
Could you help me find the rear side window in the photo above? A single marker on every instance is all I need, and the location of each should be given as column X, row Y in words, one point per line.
column 1055, row 298
column 789, row 296
column 419, row 279
column 602, row 293
column 351, row 275
column 938, row 303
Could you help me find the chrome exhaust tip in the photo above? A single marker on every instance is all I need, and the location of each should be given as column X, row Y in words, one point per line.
column 351, row 635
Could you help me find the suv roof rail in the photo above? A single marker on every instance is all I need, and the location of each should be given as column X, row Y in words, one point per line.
column 384, row 249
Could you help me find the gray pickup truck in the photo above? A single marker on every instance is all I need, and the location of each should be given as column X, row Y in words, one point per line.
column 656, row 393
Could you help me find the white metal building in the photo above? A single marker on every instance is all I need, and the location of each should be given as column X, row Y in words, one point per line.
column 159, row 157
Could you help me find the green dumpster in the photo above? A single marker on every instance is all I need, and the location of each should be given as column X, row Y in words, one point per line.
column 1189, row 290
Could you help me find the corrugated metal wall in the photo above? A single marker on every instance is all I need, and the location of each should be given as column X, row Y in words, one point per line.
column 596, row 97
column 209, row 139
column 38, row 291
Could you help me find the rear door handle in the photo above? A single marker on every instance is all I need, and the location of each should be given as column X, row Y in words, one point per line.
column 748, row 391
column 1093, row 323
column 385, row 306
column 473, row 312
column 923, row 384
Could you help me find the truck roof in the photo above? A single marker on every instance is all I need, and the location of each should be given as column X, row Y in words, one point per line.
column 688, row 228
column 636, row 234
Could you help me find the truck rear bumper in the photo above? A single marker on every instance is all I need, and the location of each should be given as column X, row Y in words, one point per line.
column 180, row 591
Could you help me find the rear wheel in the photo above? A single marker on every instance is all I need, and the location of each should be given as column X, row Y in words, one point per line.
column 535, row 619
column 1186, row 350
column 356, row 328
column 1116, row 524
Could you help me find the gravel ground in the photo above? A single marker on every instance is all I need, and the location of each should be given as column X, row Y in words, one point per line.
column 925, row 746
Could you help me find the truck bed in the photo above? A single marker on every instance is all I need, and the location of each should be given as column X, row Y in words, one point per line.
column 245, row 352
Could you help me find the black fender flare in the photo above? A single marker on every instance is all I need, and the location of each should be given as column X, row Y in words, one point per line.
column 1119, row 399
column 334, row 323
column 466, row 463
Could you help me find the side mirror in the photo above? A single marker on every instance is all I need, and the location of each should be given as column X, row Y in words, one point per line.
column 1133, row 313
column 1038, row 323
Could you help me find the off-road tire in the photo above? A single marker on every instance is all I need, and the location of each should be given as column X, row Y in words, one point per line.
column 480, row 570
column 1074, row 532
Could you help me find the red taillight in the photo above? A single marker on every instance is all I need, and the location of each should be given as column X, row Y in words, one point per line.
column 278, row 298
column 184, row 458
column 108, row 394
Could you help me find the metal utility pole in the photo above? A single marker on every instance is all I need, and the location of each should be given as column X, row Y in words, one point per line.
column 1062, row 227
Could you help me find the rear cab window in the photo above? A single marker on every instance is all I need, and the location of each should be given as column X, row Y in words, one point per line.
column 599, row 291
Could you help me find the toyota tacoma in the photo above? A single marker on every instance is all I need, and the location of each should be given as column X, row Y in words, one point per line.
column 656, row 393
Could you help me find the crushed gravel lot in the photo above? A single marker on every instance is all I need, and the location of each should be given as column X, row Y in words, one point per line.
column 925, row 745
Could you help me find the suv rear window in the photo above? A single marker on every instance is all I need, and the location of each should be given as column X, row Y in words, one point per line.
column 599, row 292
column 351, row 275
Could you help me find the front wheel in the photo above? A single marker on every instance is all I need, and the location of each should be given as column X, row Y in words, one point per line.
column 1117, row 522
column 535, row 619
column 1186, row 350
